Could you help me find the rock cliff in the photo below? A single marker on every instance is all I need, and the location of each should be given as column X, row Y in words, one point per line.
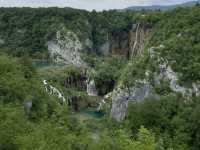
column 121, row 98
column 129, row 43
column 66, row 48
column 146, row 88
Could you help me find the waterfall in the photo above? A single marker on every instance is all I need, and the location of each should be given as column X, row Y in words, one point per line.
column 136, row 39
column 103, row 101
column 53, row 91
column 101, row 104
column 91, row 88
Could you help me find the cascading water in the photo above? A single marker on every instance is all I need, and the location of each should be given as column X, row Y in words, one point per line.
column 53, row 91
column 91, row 88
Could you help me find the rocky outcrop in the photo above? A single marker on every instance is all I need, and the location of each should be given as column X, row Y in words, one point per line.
column 166, row 73
column 121, row 98
column 66, row 48
column 129, row 43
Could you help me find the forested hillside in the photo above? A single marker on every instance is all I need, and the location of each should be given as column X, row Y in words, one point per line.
column 77, row 80
column 26, row 30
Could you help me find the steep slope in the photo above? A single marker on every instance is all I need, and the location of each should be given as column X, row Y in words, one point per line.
column 170, row 62
column 27, row 30
column 142, row 68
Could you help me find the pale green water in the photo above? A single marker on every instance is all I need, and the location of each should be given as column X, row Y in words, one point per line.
column 88, row 113
column 92, row 112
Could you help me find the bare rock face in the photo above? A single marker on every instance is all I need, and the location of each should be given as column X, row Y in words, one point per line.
column 127, row 43
column 66, row 48
column 166, row 73
column 121, row 98
column 130, row 44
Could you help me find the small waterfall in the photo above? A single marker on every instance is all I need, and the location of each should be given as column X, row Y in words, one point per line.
column 92, row 91
column 103, row 101
column 91, row 88
column 101, row 104
column 53, row 91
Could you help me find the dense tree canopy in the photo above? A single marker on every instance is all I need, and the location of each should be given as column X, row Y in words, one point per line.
column 164, row 122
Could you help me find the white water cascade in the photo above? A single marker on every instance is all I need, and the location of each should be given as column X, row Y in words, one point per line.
column 53, row 91
column 103, row 101
column 101, row 104
column 91, row 88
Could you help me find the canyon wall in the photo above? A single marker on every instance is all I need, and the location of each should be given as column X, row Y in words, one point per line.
column 66, row 47
column 129, row 43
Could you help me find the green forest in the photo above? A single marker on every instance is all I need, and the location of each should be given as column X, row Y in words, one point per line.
column 32, row 118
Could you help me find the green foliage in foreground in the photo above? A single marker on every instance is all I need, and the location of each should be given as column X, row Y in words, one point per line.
column 48, row 125
column 171, row 117
column 171, row 121
column 58, row 133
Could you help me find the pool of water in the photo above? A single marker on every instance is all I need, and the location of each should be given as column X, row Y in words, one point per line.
column 88, row 113
column 92, row 112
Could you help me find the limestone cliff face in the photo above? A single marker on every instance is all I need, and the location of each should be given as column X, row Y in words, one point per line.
column 121, row 98
column 129, row 43
column 66, row 48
